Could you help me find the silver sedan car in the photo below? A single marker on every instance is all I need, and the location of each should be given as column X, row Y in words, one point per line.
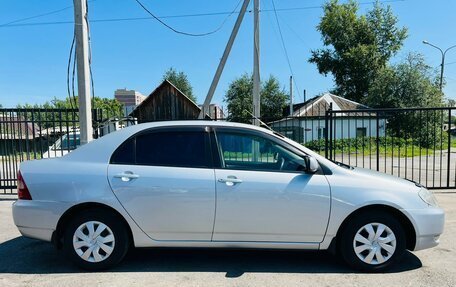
column 217, row 184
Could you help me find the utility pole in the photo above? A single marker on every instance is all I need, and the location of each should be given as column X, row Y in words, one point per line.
column 82, row 57
column 222, row 63
column 442, row 65
column 256, row 61
column 291, row 95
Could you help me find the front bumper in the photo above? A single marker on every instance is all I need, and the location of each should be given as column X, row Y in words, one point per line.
column 37, row 219
column 429, row 225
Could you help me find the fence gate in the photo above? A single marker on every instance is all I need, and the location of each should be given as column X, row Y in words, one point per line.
column 415, row 144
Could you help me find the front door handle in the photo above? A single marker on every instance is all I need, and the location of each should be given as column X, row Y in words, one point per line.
column 230, row 180
column 126, row 176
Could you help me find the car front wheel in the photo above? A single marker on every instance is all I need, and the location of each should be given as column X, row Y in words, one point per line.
column 372, row 242
column 95, row 240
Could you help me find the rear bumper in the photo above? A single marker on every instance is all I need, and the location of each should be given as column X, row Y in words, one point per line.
column 36, row 233
column 37, row 219
column 429, row 225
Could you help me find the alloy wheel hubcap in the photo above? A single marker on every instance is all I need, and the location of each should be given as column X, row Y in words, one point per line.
column 374, row 243
column 93, row 241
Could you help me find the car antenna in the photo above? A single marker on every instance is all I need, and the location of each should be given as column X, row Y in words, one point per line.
column 261, row 122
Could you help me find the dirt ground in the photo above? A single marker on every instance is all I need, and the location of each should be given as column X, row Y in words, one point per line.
column 27, row 262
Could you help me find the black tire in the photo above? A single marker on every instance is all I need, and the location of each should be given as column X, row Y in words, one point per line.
column 117, row 227
column 346, row 241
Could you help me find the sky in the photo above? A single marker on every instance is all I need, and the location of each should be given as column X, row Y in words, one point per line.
column 135, row 54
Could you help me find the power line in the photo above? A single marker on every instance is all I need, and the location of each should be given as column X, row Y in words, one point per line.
column 39, row 15
column 284, row 47
column 68, row 71
column 12, row 23
column 187, row 33
column 36, row 16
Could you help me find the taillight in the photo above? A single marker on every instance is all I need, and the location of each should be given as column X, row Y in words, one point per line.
column 22, row 190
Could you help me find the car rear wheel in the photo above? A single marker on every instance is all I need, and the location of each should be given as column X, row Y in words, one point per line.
column 95, row 240
column 372, row 242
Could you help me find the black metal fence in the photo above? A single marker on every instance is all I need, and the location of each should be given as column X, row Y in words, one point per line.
column 414, row 143
column 27, row 134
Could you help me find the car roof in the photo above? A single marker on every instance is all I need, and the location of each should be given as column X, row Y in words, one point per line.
column 200, row 123
column 100, row 150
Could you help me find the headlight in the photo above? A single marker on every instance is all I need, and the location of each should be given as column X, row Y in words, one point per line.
column 428, row 197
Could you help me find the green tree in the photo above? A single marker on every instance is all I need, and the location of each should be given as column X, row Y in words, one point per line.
column 240, row 103
column 180, row 80
column 357, row 47
column 109, row 107
column 410, row 83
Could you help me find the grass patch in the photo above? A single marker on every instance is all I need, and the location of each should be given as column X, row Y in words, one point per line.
column 387, row 146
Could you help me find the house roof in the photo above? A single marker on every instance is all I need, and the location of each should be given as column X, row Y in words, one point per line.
column 157, row 89
column 165, row 82
column 17, row 127
column 318, row 106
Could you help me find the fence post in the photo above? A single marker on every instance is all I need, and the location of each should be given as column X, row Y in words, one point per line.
column 377, row 141
column 328, row 130
column 449, row 148
column 95, row 123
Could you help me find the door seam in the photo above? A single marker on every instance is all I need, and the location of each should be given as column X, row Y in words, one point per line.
column 215, row 206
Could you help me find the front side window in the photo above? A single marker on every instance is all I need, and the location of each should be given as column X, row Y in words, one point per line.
column 251, row 152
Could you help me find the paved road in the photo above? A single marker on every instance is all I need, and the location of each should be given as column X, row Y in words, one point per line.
column 27, row 262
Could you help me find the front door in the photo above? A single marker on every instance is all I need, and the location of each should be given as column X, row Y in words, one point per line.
column 165, row 181
column 264, row 195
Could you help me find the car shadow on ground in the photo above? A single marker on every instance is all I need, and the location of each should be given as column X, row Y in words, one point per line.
column 27, row 256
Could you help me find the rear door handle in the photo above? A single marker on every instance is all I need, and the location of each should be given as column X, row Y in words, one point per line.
column 230, row 180
column 126, row 176
column 233, row 180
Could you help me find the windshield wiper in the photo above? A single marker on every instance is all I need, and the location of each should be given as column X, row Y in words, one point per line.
column 341, row 164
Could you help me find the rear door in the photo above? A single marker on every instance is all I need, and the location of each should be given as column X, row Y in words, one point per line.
column 165, row 180
column 263, row 193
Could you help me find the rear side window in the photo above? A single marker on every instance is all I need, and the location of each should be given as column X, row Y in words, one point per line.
column 166, row 148
column 173, row 148
column 180, row 148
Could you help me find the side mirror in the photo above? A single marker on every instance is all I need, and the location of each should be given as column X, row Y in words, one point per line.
column 312, row 164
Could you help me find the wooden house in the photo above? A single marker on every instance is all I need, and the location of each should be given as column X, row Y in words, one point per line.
column 166, row 103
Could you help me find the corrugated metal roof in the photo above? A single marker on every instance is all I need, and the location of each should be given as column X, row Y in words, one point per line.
column 318, row 106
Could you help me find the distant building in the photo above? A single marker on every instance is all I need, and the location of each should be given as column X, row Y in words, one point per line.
column 166, row 103
column 129, row 98
column 215, row 111
column 307, row 123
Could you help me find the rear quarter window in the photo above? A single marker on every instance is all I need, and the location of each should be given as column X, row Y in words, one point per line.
column 125, row 153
